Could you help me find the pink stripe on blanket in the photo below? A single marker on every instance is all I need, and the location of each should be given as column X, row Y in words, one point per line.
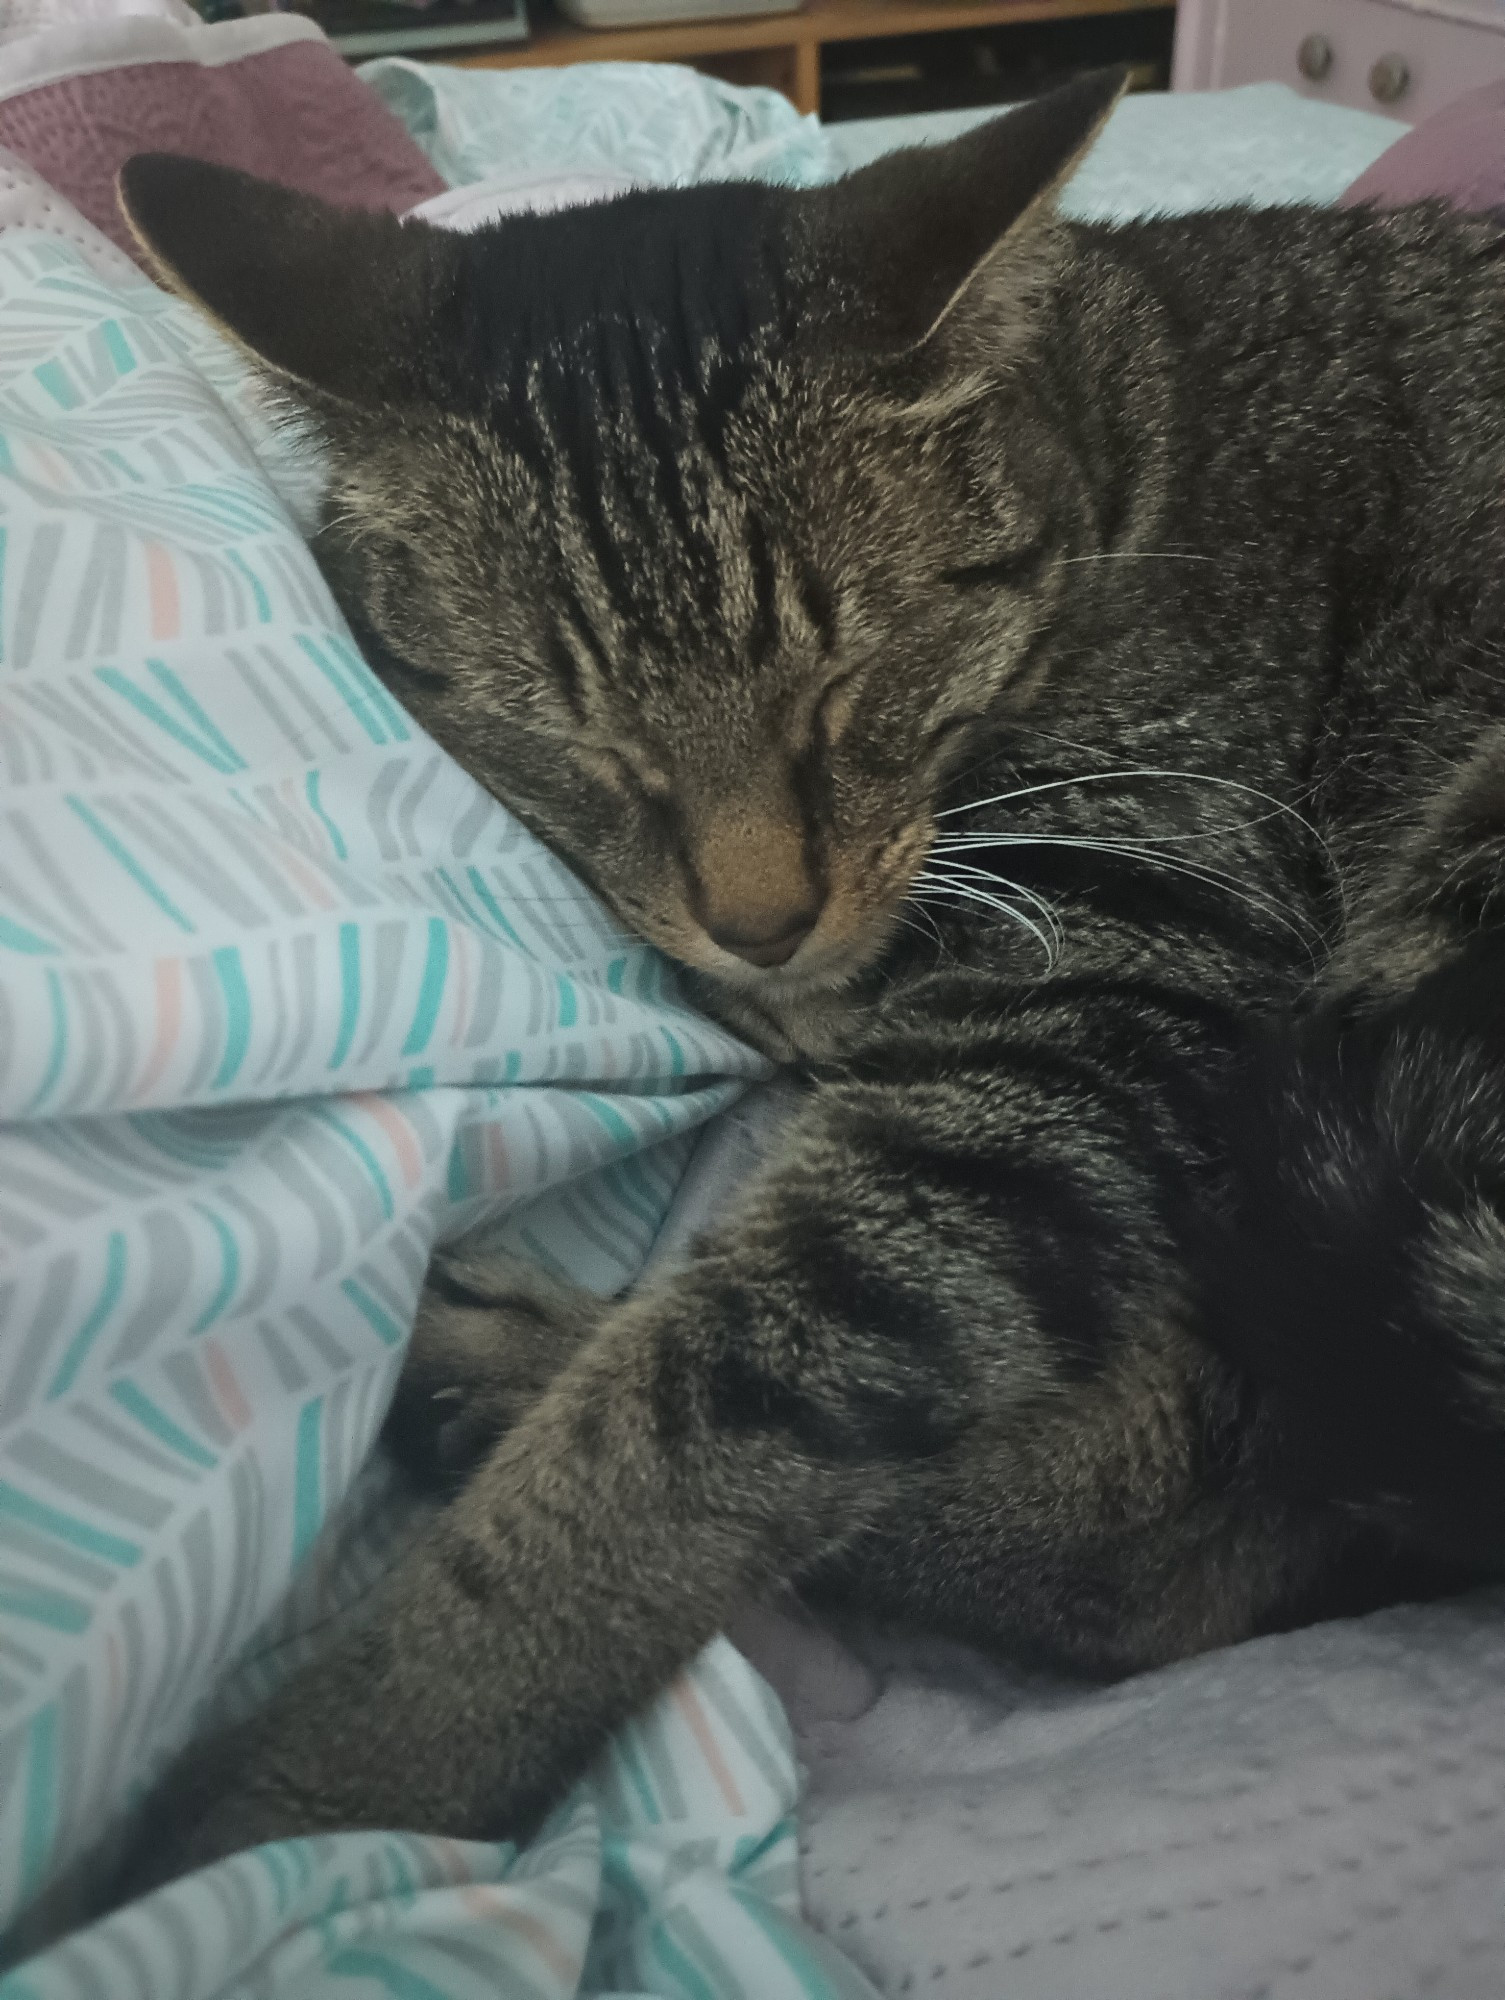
column 162, row 586
column 295, row 114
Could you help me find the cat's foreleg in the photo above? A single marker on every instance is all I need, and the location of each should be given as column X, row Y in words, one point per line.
column 963, row 1227
column 718, row 1433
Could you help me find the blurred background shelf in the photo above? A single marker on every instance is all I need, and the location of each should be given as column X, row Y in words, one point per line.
column 362, row 28
column 843, row 58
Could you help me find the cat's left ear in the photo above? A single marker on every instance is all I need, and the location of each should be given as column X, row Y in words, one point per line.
column 912, row 236
column 343, row 303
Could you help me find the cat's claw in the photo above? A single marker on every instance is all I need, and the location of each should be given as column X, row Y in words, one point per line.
column 492, row 1332
column 437, row 1430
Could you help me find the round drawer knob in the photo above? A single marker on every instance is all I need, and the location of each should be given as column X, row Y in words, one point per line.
column 1389, row 79
column 1315, row 58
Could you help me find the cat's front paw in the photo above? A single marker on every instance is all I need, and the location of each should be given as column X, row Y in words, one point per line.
column 492, row 1333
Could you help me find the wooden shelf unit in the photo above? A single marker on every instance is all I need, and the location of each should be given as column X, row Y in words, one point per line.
column 778, row 49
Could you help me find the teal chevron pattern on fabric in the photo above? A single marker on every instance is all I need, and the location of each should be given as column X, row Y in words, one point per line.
column 284, row 1000
column 671, row 1870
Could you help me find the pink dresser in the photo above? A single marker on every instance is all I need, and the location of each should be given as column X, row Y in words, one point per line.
column 1405, row 58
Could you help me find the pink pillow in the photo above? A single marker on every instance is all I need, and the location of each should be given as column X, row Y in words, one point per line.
column 267, row 94
column 1458, row 153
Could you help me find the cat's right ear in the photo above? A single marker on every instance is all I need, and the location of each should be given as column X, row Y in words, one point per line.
column 910, row 238
column 341, row 303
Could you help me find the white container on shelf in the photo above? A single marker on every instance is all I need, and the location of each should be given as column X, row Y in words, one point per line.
column 649, row 13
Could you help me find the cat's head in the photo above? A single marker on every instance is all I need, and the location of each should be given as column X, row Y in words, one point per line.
column 699, row 524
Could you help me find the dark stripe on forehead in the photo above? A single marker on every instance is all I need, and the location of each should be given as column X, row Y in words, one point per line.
column 579, row 433
column 819, row 607
column 623, row 434
column 586, row 653
column 649, row 402
column 696, row 265
column 764, row 635
column 723, row 382
column 530, row 429
column 614, row 340
column 582, row 627
column 567, row 676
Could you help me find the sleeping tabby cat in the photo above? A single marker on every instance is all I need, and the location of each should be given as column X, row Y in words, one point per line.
column 1045, row 681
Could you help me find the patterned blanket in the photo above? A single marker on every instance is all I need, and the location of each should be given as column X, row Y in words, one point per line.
column 284, row 1000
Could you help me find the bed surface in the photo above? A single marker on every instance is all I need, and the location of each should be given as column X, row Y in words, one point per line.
column 1167, row 154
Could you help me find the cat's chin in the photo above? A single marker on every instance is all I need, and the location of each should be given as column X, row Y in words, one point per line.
column 791, row 1013
column 803, row 1008
column 824, row 976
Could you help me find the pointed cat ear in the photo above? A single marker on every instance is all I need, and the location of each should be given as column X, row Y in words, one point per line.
column 344, row 302
column 914, row 231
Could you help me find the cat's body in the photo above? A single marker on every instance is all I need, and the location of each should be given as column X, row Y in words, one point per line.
column 1114, row 1306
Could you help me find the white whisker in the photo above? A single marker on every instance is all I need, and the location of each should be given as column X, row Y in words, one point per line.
column 958, row 843
column 937, row 886
column 1118, row 777
column 931, row 932
column 1142, row 555
column 960, row 894
column 1277, row 806
column 976, row 876
column 1306, row 935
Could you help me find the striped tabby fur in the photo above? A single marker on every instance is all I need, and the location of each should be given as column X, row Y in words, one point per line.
column 1046, row 682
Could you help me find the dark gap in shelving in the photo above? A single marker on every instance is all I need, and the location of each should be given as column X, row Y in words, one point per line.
column 979, row 66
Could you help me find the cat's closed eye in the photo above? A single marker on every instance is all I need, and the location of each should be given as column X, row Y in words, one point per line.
column 627, row 771
column 948, row 732
column 834, row 711
column 1013, row 569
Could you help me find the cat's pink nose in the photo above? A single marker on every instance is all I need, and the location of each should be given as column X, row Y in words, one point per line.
column 773, row 942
